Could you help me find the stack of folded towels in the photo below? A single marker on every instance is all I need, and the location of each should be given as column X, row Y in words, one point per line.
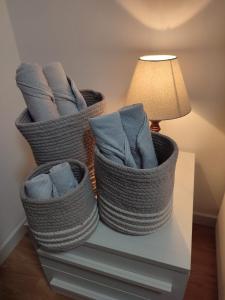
column 124, row 137
column 48, row 92
column 58, row 182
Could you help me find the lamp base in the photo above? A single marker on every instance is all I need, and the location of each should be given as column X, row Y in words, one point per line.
column 155, row 126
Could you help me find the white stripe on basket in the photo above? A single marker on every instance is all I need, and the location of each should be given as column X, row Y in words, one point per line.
column 71, row 236
column 66, row 231
column 135, row 219
column 123, row 229
column 60, row 245
column 132, row 214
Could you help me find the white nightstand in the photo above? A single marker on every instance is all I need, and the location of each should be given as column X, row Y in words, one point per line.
column 113, row 266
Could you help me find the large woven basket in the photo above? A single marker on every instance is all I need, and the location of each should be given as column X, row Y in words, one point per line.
column 65, row 137
column 137, row 201
column 62, row 223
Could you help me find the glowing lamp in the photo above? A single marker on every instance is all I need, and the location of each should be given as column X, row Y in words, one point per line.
column 158, row 83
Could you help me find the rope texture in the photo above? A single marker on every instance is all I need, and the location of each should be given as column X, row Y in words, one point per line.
column 137, row 201
column 61, row 223
column 65, row 137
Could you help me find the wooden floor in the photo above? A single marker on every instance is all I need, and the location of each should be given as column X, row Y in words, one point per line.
column 203, row 280
column 21, row 277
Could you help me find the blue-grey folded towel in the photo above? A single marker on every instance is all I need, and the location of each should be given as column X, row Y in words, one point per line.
column 68, row 98
column 40, row 187
column 136, row 127
column 36, row 92
column 62, row 178
column 111, row 139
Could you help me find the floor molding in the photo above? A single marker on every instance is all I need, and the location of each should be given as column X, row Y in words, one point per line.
column 204, row 219
column 12, row 240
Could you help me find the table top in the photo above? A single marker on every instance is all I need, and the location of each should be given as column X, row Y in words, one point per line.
column 170, row 245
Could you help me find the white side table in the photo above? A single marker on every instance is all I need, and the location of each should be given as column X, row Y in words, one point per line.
column 112, row 266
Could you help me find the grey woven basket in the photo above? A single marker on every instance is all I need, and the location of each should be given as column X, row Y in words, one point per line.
column 62, row 223
column 137, row 201
column 65, row 137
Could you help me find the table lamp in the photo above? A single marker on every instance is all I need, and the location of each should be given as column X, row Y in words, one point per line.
column 158, row 84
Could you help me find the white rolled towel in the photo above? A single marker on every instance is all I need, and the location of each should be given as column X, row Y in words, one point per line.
column 36, row 92
column 68, row 98
column 62, row 178
column 40, row 187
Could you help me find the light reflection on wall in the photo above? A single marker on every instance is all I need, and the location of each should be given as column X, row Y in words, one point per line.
column 163, row 14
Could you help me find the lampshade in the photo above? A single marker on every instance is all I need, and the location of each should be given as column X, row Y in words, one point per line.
column 158, row 84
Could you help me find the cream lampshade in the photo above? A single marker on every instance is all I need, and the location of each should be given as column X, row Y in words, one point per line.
column 158, row 84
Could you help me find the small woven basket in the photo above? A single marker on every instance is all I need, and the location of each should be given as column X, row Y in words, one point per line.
column 65, row 137
column 137, row 201
column 62, row 223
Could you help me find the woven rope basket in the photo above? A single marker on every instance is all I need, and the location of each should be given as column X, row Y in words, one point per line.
column 65, row 137
column 137, row 201
column 65, row 222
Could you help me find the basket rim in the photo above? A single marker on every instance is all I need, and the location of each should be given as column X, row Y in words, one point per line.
column 141, row 171
column 27, row 199
column 20, row 123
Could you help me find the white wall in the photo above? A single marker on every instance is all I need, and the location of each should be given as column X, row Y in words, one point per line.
column 13, row 160
column 98, row 42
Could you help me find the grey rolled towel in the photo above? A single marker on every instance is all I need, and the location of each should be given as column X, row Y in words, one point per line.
column 136, row 127
column 111, row 139
column 62, row 178
column 68, row 98
column 36, row 92
column 40, row 187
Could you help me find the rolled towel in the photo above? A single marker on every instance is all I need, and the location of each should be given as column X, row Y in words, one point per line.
column 39, row 187
column 111, row 139
column 135, row 124
column 62, row 178
column 68, row 98
column 79, row 98
column 36, row 92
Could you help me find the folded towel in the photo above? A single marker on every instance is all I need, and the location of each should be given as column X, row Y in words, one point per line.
column 36, row 92
column 111, row 139
column 68, row 98
column 62, row 178
column 39, row 187
column 136, row 127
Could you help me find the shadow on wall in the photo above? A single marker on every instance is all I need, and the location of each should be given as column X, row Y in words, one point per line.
column 99, row 41
column 195, row 134
column 28, row 163
column 204, row 74
column 203, row 190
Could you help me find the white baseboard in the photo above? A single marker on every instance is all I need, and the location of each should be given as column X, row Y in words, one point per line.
column 13, row 239
column 204, row 219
